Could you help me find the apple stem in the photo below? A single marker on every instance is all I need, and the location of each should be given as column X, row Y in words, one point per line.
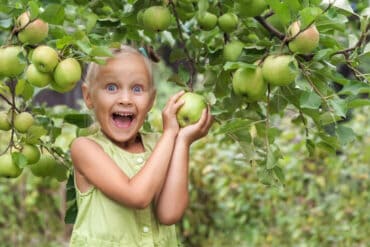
column 183, row 44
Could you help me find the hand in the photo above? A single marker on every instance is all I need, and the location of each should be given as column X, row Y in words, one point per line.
column 198, row 130
column 169, row 113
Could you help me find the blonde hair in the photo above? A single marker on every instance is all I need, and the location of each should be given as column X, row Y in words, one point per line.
column 93, row 68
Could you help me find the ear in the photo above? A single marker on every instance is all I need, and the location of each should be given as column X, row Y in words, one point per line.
column 87, row 96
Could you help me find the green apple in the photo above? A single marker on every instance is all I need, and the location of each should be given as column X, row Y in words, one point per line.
column 8, row 168
column 31, row 33
column 31, row 152
column 157, row 18
column 37, row 78
column 4, row 121
column 280, row 70
column 45, row 58
column 67, row 74
column 61, row 89
column 251, row 8
column 139, row 17
column 23, row 121
column 249, row 82
column 60, row 172
column 155, row 119
column 208, row 21
column 228, row 22
column 233, row 50
column 44, row 167
column 10, row 62
column 192, row 109
column 306, row 41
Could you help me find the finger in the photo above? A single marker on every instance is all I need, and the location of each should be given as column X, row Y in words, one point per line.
column 173, row 99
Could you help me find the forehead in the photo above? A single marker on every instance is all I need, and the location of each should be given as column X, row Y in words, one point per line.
column 124, row 67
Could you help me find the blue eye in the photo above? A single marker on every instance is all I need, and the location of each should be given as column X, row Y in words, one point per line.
column 111, row 87
column 137, row 89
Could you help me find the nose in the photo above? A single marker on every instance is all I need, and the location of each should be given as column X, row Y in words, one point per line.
column 125, row 98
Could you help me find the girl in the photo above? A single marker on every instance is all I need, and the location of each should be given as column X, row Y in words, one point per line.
column 131, row 186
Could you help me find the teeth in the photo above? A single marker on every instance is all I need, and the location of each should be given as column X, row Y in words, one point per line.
column 123, row 114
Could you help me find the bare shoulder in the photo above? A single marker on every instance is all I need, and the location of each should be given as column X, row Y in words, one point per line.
column 83, row 144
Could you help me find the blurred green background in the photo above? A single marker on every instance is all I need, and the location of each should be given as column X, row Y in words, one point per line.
column 323, row 201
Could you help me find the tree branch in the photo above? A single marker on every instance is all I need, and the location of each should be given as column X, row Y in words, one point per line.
column 269, row 27
column 183, row 44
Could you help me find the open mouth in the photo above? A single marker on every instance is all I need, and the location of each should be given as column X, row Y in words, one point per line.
column 123, row 119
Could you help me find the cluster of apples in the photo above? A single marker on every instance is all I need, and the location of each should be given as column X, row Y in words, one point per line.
column 45, row 67
column 275, row 69
column 158, row 18
column 40, row 164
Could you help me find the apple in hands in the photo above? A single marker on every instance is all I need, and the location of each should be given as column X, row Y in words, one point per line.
column 191, row 111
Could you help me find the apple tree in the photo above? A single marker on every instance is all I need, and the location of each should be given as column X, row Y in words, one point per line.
column 254, row 61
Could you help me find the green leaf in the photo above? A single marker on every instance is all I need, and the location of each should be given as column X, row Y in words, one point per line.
column 34, row 9
column 310, row 100
column 53, row 14
column 234, row 125
column 310, row 145
column 340, row 4
column 339, row 106
column 271, row 160
column 279, row 173
column 71, row 213
column 281, row 9
column 308, row 16
column 19, row 159
column 84, row 46
column 6, row 23
column 101, row 51
column 80, row 120
column 345, row 134
column 358, row 103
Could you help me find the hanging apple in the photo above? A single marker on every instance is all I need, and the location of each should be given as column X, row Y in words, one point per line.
column 156, row 18
column 280, row 70
column 11, row 64
column 32, row 31
column 249, row 82
column 306, row 41
column 45, row 58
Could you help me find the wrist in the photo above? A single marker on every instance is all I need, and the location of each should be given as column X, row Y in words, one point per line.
column 183, row 139
column 170, row 133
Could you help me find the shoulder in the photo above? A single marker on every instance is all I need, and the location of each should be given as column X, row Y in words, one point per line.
column 83, row 144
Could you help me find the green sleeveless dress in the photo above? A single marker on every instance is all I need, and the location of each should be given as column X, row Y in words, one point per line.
column 101, row 222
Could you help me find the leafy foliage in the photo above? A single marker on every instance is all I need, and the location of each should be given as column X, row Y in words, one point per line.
column 333, row 82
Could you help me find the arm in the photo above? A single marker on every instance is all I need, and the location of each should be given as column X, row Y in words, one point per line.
column 102, row 172
column 173, row 199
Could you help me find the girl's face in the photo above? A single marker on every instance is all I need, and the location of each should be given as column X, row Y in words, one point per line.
column 121, row 96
